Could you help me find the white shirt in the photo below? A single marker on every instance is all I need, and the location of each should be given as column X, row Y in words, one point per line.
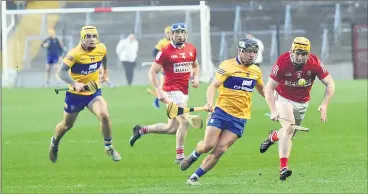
column 127, row 50
column 259, row 58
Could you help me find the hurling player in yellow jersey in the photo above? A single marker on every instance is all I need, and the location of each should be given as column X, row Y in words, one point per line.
column 80, row 66
column 235, row 81
column 161, row 44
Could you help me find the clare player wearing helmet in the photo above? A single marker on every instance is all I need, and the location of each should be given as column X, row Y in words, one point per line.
column 235, row 82
column 81, row 66
column 287, row 95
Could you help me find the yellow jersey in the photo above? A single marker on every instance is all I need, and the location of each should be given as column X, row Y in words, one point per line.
column 238, row 82
column 162, row 43
column 85, row 65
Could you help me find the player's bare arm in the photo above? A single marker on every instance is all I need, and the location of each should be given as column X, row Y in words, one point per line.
column 152, row 75
column 196, row 72
column 260, row 89
column 45, row 43
column 65, row 76
column 270, row 98
column 104, row 73
column 61, row 44
column 330, row 90
column 211, row 92
column 104, row 62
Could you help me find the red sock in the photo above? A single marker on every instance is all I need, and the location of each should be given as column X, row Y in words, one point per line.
column 179, row 152
column 143, row 130
column 283, row 162
column 274, row 137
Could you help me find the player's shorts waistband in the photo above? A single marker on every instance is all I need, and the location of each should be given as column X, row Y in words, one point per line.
column 98, row 92
column 223, row 112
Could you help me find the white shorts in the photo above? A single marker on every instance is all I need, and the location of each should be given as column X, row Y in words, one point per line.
column 299, row 109
column 178, row 97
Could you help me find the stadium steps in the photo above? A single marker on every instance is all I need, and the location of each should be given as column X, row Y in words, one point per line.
column 29, row 25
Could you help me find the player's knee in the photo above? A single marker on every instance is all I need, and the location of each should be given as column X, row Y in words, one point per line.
column 219, row 151
column 288, row 130
column 172, row 130
column 207, row 146
column 184, row 124
column 175, row 126
column 104, row 117
column 66, row 126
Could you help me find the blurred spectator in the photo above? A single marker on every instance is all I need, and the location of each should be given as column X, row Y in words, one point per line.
column 127, row 50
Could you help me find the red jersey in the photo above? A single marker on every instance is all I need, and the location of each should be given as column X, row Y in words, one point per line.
column 288, row 75
column 177, row 64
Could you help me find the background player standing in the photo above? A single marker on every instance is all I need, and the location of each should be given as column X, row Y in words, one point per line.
column 235, row 81
column 84, row 63
column 54, row 52
column 177, row 60
column 288, row 93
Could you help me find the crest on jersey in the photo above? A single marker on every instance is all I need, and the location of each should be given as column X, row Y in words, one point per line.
column 288, row 74
column 92, row 58
column 182, row 55
column 190, row 54
column 309, row 73
column 298, row 75
column 69, row 57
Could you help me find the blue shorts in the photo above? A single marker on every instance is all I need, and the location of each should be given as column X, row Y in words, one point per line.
column 222, row 120
column 76, row 103
column 52, row 59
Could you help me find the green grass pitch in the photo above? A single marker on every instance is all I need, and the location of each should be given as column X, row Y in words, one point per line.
column 332, row 158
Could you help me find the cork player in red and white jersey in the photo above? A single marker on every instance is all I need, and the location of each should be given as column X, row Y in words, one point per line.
column 177, row 60
column 288, row 92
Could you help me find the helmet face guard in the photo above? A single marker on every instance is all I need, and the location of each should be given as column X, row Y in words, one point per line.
column 247, row 51
column 179, row 33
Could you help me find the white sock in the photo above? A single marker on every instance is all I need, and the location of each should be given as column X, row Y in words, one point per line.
column 194, row 175
column 180, row 152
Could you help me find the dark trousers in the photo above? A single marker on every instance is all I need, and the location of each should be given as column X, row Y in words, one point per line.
column 129, row 71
